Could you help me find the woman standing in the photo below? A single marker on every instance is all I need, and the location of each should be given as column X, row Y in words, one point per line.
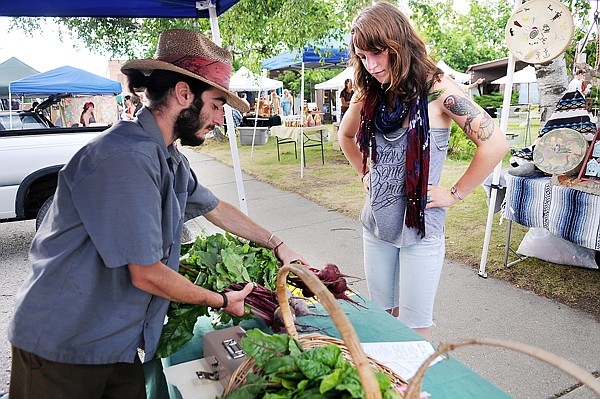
column 400, row 117
column 87, row 115
column 287, row 103
column 345, row 97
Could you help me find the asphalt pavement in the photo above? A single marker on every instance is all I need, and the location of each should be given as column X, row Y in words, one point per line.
column 467, row 305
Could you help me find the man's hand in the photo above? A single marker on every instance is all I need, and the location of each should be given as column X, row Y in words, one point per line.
column 235, row 304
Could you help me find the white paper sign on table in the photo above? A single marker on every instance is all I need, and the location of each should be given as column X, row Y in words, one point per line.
column 404, row 358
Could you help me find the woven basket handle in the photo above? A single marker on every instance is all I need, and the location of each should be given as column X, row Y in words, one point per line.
column 365, row 372
column 570, row 368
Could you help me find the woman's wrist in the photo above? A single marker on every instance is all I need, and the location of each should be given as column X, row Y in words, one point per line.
column 454, row 191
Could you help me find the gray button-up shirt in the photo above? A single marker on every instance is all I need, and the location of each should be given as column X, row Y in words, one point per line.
column 120, row 200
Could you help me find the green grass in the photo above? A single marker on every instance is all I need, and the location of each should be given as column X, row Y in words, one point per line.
column 336, row 186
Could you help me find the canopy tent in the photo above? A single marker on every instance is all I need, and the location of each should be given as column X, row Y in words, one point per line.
column 460, row 77
column 139, row 9
column 116, row 8
column 337, row 82
column 310, row 58
column 528, row 88
column 334, row 55
column 246, row 80
column 11, row 70
column 65, row 79
column 525, row 75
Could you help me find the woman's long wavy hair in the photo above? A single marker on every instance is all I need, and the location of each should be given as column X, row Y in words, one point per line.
column 382, row 27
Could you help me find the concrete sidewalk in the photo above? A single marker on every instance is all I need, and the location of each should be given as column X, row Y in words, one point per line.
column 467, row 305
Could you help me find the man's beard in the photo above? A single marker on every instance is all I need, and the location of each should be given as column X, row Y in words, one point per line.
column 188, row 124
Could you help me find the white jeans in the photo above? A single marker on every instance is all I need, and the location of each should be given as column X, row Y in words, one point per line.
column 405, row 277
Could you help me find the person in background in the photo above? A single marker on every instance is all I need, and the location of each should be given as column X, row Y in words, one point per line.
column 136, row 102
column 395, row 134
column 287, row 103
column 105, row 258
column 578, row 81
column 244, row 98
column 467, row 88
column 275, row 102
column 128, row 109
column 345, row 97
column 87, row 115
column 34, row 105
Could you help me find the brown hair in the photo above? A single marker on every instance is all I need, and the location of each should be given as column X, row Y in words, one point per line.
column 382, row 27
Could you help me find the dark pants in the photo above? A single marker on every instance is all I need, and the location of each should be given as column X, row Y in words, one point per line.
column 33, row 377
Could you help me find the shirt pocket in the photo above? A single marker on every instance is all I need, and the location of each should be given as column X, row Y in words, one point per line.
column 441, row 138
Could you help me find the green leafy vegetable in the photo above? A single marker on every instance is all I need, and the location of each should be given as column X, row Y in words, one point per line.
column 216, row 263
column 287, row 371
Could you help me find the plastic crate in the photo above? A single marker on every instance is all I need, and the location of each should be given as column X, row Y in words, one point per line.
column 246, row 134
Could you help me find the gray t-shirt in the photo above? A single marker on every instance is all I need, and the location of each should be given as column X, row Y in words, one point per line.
column 120, row 200
column 384, row 211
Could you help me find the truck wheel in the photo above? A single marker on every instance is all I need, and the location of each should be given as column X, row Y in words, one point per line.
column 42, row 212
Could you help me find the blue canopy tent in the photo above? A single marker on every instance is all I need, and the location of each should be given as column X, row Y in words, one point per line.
column 116, row 8
column 334, row 55
column 139, row 9
column 65, row 79
column 312, row 58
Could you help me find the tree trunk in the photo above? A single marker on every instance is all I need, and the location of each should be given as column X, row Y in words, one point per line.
column 552, row 84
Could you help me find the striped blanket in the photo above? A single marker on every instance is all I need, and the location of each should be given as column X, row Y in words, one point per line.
column 567, row 213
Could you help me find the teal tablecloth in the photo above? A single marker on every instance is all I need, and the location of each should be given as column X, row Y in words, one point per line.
column 448, row 379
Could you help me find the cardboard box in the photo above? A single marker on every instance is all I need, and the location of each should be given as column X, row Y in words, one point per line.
column 246, row 134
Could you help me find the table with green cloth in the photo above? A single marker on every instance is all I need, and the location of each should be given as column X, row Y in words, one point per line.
column 447, row 379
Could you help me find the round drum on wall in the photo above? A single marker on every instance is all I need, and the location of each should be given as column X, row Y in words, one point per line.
column 539, row 31
column 560, row 152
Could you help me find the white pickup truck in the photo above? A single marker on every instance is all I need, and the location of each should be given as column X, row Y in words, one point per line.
column 31, row 154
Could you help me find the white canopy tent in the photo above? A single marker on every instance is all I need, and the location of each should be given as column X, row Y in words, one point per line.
column 337, row 82
column 460, row 77
column 525, row 75
column 246, row 80
column 528, row 89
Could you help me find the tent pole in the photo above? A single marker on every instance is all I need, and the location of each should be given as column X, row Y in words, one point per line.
column 496, row 176
column 10, row 107
column 302, row 124
column 256, row 115
column 235, row 156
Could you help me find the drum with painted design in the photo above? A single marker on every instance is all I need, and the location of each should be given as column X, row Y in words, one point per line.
column 560, row 152
column 539, row 31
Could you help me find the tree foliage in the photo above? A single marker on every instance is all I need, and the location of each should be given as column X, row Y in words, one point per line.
column 257, row 29
column 462, row 37
column 252, row 29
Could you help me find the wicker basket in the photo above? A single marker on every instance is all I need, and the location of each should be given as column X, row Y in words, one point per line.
column 414, row 388
column 350, row 344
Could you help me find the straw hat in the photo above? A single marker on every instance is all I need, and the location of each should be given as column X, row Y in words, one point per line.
column 190, row 53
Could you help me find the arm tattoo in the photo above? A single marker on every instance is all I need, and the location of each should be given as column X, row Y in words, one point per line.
column 463, row 107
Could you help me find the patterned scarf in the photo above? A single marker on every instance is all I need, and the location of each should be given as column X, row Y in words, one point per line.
column 417, row 152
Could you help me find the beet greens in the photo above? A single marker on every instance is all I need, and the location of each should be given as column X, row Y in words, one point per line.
column 221, row 263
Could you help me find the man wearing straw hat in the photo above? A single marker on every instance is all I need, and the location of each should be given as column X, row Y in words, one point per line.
column 105, row 258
